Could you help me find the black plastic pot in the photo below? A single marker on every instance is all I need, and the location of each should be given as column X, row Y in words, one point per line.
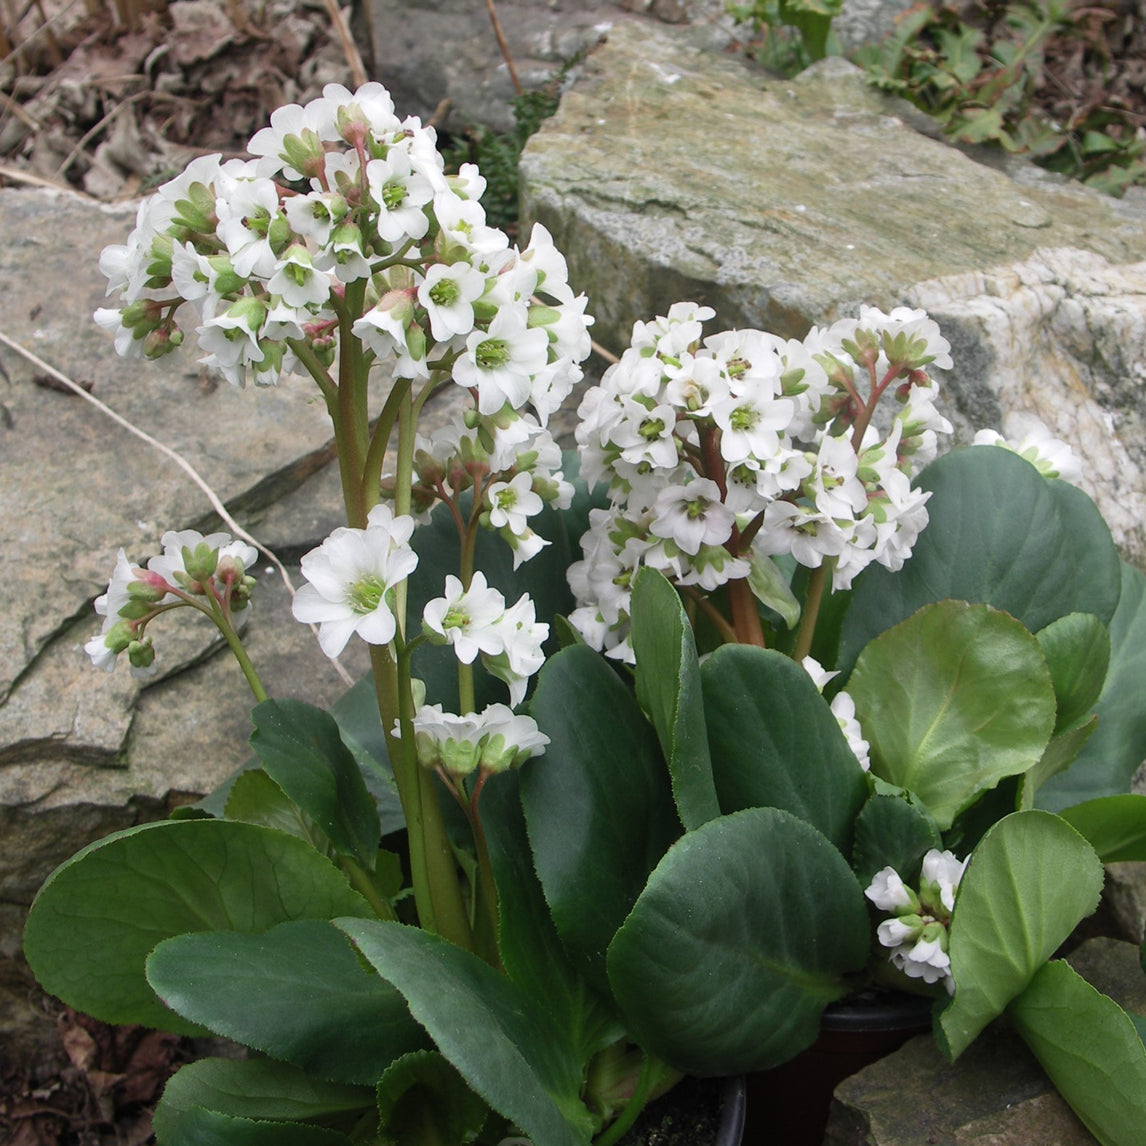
column 789, row 1106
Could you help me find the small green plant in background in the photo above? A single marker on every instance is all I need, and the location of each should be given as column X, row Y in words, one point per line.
column 979, row 74
column 498, row 153
column 790, row 34
column 982, row 72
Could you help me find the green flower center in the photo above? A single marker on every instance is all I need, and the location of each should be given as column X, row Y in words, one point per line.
column 743, row 418
column 393, row 194
column 366, row 595
column 445, row 292
column 492, row 353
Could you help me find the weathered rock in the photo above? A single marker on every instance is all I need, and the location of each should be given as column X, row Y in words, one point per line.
column 1061, row 337
column 672, row 173
column 996, row 1094
column 429, row 50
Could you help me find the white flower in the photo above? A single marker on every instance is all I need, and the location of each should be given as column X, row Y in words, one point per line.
column 108, row 605
column 521, row 637
column 501, row 361
column 350, row 577
column 297, row 280
column 692, row 515
column 512, row 503
column 844, row 710
column 466, row 617
column 888, row 892
column 401, row 193
column 448, row 293
column 944, row 871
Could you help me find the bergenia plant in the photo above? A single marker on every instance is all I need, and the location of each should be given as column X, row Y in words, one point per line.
column 832, row 714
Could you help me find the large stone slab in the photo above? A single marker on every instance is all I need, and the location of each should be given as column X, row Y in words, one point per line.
column 996, row 1094
column 671, row 172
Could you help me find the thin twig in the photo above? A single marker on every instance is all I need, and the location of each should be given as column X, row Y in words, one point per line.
column 18, row 176
column 216, row 503
column 504, row 47
column 94, row 131
column 18, row 111
column 607, row 355
column 353, row 59
column 22, row 47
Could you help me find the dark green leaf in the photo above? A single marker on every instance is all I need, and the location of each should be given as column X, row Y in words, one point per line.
column 298, row 993
column 893, row 831
column 254, row 1103
column 531, row 951
column 1029, row 882
column 1112, row 755
column 255, row 798
column 951, row 701
column 301, row 750
column 668, row 688
column 738, row 943
column 422, row 1098
column 1090, row 1048
column 775, row 743
column 99, row 915
column 1000, row 534
column 1077, row 649
column 1115, row 826
column 1057, row 757
column 502, row 1044
column 598, row 804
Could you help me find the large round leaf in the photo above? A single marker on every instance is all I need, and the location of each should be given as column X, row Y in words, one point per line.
column 502, row 1044
column 598, row 804
column 99, row 915
column 297, row 992
column 951, row 701
column 998, row 533
column 738, row 943
column 775, row 743
column 1029, row 882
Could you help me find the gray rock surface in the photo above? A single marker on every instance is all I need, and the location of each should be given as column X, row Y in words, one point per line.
column 996, row 1094
column 426, row 51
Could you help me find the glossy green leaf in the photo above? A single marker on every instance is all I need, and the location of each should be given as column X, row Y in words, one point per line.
column 770, row 587
column 1000, row 534
column 99, row 915
column 1077, row 651
column 893, row 831
column 598, row 804
column 1112, row 755
column 301, row 750
column 255, row 798
column 738, row 943
column 668, row 688
column 1115, row 826
column 1029, row 882
column 531, row 952
column 298, row 992
column 1091, row 1050
column 254, row 1102
column 774, row 742
column 502, row 1044
column 1057, row 757
column 951, row 701
column 422, row 1098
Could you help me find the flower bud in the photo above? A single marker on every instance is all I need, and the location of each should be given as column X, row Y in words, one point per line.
column 141, row 654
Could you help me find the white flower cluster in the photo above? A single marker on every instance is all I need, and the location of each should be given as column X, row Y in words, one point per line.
column 341, row 192
column 917, row 931
column 477, row 620
column 1051, row 456
column 493, row 740
column 723, row 452
column 520, row 463
column 190, row 566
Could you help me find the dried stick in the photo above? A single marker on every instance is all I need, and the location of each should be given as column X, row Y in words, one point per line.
column 353, row 58
column 504, row 47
